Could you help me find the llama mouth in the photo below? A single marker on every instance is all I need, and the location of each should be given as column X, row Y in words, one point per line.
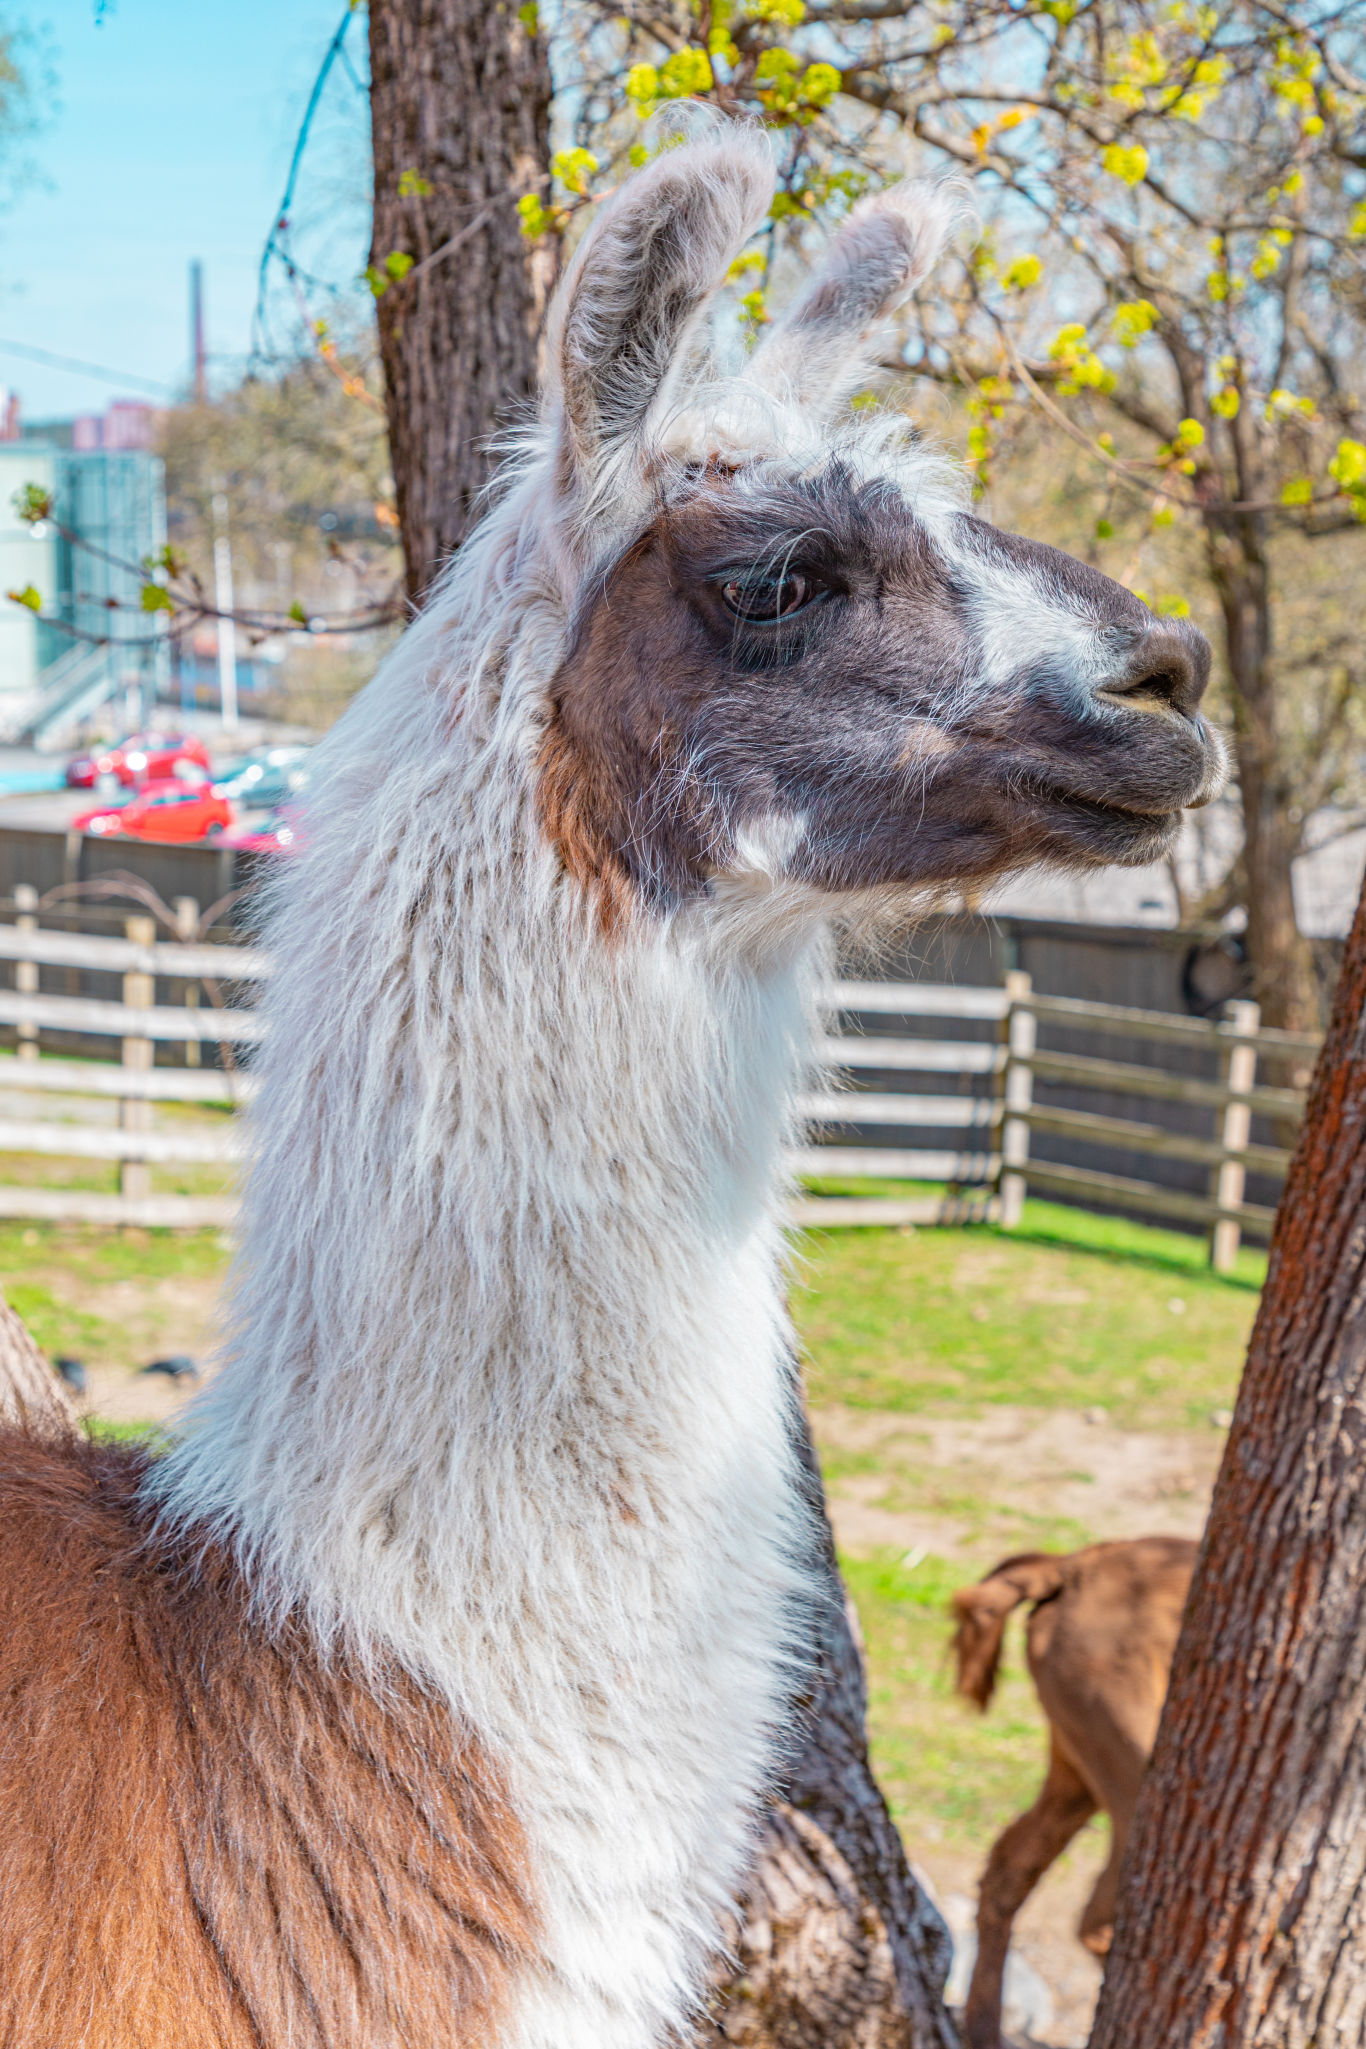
column 1103, row 811
column 1104, row 833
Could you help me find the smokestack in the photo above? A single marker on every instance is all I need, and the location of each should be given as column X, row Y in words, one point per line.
column 197, row 354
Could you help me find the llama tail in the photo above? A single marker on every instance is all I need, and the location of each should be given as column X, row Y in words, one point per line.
column 983, row 1610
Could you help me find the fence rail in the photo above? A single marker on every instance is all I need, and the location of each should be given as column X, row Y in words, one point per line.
column 971, row 1097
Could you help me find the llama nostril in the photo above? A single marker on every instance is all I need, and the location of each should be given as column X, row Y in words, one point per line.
column 1163, row 686
column 1161, row 674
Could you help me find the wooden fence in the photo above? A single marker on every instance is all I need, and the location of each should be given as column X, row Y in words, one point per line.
column 995, row 1164
column 945, row 1087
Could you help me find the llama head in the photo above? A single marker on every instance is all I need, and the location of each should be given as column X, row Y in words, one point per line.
column 792, row 657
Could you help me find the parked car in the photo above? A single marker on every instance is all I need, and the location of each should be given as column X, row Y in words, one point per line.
column 142, row 759
column 165, row 810
column 281, row 833
column 262, row 782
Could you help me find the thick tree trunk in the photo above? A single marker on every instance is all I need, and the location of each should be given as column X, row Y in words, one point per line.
column 1241, row 1922
column 1282, row 961
column 30, row 1393
column 839, row 1947
column 460, row 109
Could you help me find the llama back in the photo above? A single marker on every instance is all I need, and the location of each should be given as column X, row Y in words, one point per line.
column 175, row 1783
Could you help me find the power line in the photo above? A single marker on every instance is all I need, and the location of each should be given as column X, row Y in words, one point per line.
column 280, row 225
column 32, row 355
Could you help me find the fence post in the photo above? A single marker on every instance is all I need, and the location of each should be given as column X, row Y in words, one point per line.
column 1238, row 1069
column 135, row 1112
column 1020, row 1034
column 26, row 971
column 186, row 910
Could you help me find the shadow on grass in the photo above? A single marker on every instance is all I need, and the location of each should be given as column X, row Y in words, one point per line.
column 1154, row 1246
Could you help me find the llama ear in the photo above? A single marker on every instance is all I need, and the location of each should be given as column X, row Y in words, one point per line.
column 888, row 246
column 638, row 285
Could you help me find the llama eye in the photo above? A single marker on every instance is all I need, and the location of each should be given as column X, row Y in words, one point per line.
column 762, row 595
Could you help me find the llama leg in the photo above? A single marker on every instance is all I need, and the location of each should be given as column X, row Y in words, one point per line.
column 1017, row 1862
column 1097, row 1924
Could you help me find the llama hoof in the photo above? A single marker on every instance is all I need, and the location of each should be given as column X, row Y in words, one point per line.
column 72, row 1371
column 179, row 1367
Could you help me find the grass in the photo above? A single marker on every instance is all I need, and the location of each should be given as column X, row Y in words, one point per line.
column 105, row 1295
column 1071, row 1310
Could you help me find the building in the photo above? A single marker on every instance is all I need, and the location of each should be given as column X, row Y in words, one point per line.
column 125, row 424
column 92, row 643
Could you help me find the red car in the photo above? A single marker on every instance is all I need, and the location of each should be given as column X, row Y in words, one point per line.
column 145, row 758
column 163, row 811
column 281, row 833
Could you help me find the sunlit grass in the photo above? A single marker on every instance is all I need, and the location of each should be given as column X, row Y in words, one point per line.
column 1071, row 1310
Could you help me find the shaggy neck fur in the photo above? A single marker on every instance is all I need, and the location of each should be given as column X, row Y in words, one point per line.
column 506, row 1395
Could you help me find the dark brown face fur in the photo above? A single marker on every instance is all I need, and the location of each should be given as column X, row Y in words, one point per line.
column 943, row 706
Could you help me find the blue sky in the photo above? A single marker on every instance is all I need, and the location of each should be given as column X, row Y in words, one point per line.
column 171, row 140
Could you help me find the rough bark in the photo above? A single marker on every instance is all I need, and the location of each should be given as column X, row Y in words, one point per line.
column 1281, row 958
column 838, row 1948
column 1242, row 1920
column 30, row 1393
column 460, row 108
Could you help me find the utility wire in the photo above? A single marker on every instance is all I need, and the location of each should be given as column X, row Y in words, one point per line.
column 280, row 223
column 32, row 355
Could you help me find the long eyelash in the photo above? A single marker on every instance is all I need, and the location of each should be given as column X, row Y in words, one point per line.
column 776, row 563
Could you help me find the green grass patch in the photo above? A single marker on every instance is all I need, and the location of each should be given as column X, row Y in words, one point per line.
column 1071, row 1310
column 104, row 1431
column 104, row 1294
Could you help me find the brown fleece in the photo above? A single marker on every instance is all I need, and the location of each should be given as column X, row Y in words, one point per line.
column 209, row 1837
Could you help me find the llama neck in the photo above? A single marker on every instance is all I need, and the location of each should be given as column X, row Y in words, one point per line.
column 511, row 1255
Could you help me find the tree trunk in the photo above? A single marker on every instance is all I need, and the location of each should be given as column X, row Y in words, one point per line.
column 839, row 1947
column 1241, row 1921
column 460, row 109
column 31, row 1395
column 1281, row 958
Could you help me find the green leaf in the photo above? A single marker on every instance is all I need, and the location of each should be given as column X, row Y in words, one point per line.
column 1348, row 467
column 530, row 17
column 1134, row 319
column 685, row 73
column 398, row 263
column 32, row 504
column 1023, row 272
column 297, row 613
column 412, row 185
column 1127, row 161
column 1104, row 530
column 27, row 596
column 574, row 168
column 1299, row 491
column 156, row 598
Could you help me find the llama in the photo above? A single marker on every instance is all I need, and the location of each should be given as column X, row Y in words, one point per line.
column 426, row 1690
column 1100, row 1640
